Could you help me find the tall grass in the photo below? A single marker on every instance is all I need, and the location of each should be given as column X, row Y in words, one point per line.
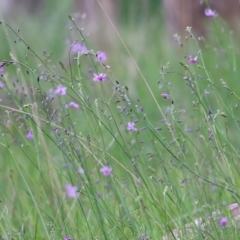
column 137, row 152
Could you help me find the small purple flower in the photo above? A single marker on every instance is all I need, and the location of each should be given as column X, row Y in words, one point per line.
column 138, row 181
column 1, row 67
column 79, row 47
column 29, row 135
column 66, row 165
column 223, row 221
column 71, row 191
column 106, row 171
column 81, row 171
column 1, row 85
column 183, row 111
column 90, row 71
column 74, row 105
column 209, row 12
column 131, row 126
column 192, row 59
column 99, row 77
column 165, row 95
column 67, row 238
column 101, row 57
column 8, row 123
column 60, row 90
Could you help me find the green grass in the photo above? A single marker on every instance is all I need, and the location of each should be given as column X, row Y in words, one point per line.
column 161, row 179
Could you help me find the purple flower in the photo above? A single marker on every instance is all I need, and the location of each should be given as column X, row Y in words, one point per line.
column 79, row 47
column 60, row 90
column 71, row 191
column 131, row 126
column 192, row 59
column 101, row 57
column 81, row 171
column 1, row 85
column 29, row 135
column 90, row 71
column 99, row 77
column 223, row 221
column 66, row 165
column 67, row 238
column 1, row 67
column 165, row 95
column 106, row 171
column 209, row 12
column 74, row 105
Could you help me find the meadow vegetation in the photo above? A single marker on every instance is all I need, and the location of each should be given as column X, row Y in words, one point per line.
column 124, row 136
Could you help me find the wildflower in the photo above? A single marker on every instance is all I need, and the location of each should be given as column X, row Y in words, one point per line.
column 79, row 47
column 106, row 171
column 81, row 171
column 8, row 123
column 183, row 111
column 192, row 59
column 165, row 95
column 210, row 13
column 66, row 165
column 138, row 181
column 67, row 238
column 99, row 77
column 71, row 191
column 60, row 90
column 29, row 135
column 1, row 85
column 131, row 126
column 223, row 221
column 1, row 67
column 74, row 105
column 101, row 57
column 90, row 71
